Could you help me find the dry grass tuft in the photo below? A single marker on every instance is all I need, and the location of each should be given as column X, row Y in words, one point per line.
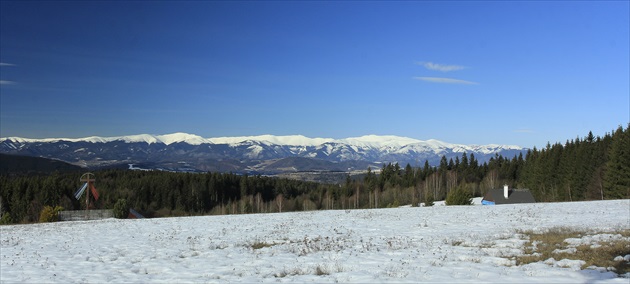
column 319, row 270
column 552, row 244
column 259, row 245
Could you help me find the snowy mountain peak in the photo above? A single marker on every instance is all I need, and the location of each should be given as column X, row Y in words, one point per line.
column 288, row 140
column 251, row 152
column 380, row 141
column 180, row 137
column 372, row 141
column 149, row 139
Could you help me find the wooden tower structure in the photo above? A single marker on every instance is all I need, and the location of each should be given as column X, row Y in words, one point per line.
column 88, row 186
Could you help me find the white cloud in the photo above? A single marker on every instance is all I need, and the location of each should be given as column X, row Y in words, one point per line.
column 441, row 67
column 5, row 82
column 6, row 64
column 445, row 80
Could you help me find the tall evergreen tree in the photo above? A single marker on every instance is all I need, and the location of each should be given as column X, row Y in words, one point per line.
column 617, row 177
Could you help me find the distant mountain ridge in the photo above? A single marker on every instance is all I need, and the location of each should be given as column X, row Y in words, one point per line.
column 260, row 154
column 10, row 164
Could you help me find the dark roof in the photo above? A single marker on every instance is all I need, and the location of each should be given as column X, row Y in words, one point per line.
column 514, row 196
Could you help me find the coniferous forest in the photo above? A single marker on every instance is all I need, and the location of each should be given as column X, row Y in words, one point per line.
column 584, row 168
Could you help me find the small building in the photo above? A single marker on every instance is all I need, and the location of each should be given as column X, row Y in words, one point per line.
column 507, row 196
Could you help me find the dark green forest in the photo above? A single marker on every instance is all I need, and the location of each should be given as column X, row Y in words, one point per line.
column 584, row 168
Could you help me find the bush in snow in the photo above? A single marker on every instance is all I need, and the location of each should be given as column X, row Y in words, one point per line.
column 121, row 209
column 428, row 200
column 6, row 219
column 49, row 214
column 459, row 196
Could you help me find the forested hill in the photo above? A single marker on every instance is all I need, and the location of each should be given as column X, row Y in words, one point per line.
column 581, row 169
column 587, row 168
column 13, row 164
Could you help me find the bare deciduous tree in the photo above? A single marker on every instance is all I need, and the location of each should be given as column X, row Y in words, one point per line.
column 279, row 202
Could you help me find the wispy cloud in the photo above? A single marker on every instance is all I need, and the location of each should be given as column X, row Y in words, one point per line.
column 445, row 80
column 6, row 82
column 441, row 67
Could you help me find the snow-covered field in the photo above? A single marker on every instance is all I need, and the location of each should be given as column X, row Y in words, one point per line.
column 455, row 244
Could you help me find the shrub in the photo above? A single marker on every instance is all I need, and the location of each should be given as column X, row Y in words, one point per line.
column 121, row 209
column 394, row 204
column 6, row 219
column 459, row 196
column 428, row 200
column 49, row 214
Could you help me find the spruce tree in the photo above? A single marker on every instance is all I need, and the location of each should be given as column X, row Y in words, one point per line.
column 459, row 196
column 121, row 209
column 617, row 177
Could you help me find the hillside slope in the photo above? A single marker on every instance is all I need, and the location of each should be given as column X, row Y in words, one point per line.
column 25, row 164
column 447, row 244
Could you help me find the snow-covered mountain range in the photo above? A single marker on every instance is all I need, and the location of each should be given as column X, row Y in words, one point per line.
column 263, row 154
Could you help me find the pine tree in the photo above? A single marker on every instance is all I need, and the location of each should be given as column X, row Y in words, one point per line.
column 459, row 196
column 428, row 199
column 617, row 177
column 409, row 176
column 121, row 209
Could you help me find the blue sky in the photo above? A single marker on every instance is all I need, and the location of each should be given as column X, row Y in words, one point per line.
column 520, row 73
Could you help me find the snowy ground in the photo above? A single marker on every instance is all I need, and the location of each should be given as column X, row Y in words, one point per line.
column 455, row 244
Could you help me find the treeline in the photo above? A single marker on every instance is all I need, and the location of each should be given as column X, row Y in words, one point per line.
column 585, row 168
column 157, row 193
column 581, row 169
